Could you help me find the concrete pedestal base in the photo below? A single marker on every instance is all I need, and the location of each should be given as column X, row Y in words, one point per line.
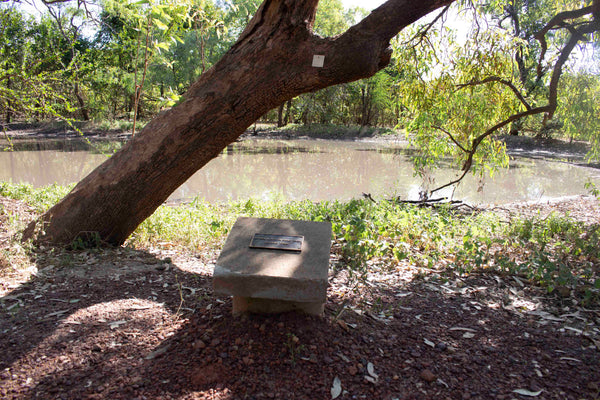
column 271, row 306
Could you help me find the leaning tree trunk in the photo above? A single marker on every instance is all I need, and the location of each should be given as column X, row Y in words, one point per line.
column 271, row 62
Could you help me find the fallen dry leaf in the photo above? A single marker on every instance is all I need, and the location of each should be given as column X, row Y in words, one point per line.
column 525, row 392
column 371, row 370
column 336, row 388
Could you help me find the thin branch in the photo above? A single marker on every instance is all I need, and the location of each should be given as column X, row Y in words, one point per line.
column 437, row 200
column 451, row 138
column 477, row 141
column 422, row 32
column 499, row 80
column 454, row 182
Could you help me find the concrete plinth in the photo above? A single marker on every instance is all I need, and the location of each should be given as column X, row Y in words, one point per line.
column 272, row 306
column 274, row 280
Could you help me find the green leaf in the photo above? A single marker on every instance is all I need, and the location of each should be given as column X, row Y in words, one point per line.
column 162, row 45
column 160, row 25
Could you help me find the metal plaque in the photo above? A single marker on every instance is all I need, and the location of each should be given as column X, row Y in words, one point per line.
column 276, row 242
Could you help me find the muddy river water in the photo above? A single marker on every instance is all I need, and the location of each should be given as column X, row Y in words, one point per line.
column 319, row 170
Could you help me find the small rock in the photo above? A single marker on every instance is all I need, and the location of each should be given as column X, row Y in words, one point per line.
column 215, row 342
column 199, row 344
column 238, row 341
column 327, row 359
column 534, row 386
column 343, row 324
column 207, row 375
column 427, row 375
column 593, row 386
column 563, row 291
column 352, row 370
column 441, row 346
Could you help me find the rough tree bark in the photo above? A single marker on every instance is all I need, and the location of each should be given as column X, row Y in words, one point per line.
column 85, row 114
column 288, row 109
column 269, row 64
column 280, row 115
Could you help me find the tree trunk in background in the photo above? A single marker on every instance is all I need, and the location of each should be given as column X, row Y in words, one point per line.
column 288, row 110
column 515, row 127
column 280, row 115
column 8, row 103
column 84, row 111
column 365, row 116
column 271, row 63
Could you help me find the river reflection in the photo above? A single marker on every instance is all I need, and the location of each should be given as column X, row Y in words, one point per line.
column 316, row 170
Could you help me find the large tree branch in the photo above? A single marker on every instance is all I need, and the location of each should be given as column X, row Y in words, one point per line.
column 392, row 16
column 456, row 142
column 557, row 21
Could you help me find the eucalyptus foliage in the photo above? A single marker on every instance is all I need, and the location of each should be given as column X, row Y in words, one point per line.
column 461, row 90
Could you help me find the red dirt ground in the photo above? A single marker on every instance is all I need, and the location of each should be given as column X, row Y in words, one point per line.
column 126, row 324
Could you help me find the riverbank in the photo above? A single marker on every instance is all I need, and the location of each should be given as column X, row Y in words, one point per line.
column 422, row 303
column 28, row 136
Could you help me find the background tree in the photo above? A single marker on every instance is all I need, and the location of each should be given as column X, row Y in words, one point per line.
column 32, row 79
column 579, row 108
column 457, row 104
column 12, row 56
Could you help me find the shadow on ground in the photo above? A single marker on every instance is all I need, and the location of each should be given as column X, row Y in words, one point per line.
column 124, row 324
